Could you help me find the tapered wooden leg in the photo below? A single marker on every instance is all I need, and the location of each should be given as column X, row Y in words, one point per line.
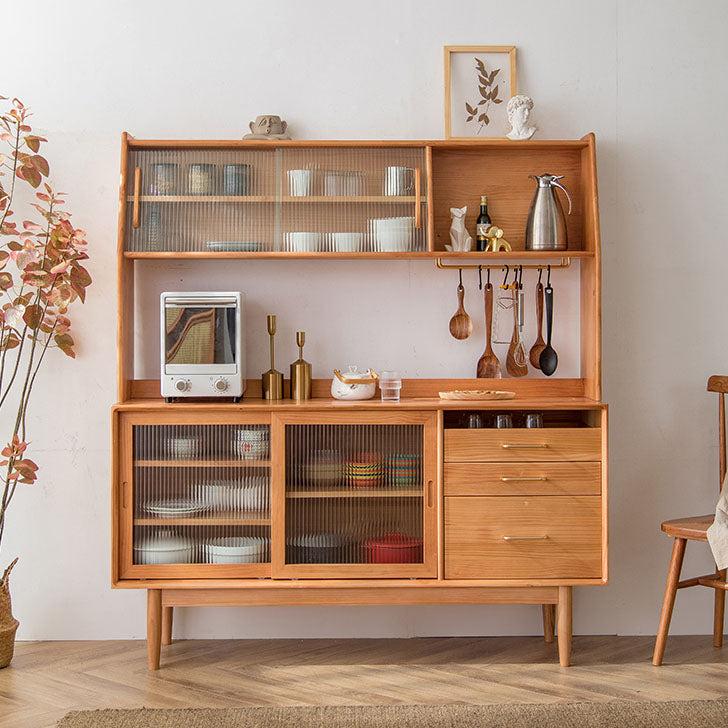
column 154, row 627
column 564, row 627
column 167, row 613
column 673, row 577
column 719, row 613
column 549, row 621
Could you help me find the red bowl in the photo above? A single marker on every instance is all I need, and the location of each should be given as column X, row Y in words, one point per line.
column 394, row 548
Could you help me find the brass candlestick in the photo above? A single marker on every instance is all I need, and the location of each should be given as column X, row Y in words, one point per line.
column 300, row 372
column 272, row 379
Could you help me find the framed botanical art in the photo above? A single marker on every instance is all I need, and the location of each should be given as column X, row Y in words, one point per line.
column 479, row 81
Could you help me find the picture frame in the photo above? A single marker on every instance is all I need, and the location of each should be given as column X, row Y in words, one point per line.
column 479, row 81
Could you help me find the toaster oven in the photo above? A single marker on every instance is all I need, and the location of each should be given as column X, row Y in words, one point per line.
column 202, row 344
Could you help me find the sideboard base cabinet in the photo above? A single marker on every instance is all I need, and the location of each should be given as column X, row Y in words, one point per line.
column 334, row 504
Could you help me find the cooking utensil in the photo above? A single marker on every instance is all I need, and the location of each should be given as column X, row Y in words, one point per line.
column 488, row 365
column 481, row 394
column 539, row 345
column 461, row 325
column 546, row 223
column 549, row 360
column 516, row 360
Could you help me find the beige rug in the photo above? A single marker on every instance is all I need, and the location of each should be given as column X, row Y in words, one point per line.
column 682, row 714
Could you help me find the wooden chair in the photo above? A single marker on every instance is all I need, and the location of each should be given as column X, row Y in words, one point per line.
column 695, row 529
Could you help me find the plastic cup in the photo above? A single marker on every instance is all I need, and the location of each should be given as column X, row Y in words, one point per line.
column 389, row 384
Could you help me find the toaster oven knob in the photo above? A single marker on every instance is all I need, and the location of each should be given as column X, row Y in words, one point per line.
column 182, row 385
column 220, row 384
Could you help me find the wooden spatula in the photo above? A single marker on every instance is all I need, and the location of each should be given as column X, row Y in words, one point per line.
column 516, row 360
column 488, row 365
column 539, row 345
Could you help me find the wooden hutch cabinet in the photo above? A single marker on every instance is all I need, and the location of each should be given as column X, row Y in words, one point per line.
column 326, row 502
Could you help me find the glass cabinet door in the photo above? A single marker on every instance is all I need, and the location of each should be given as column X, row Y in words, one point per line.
column 280, row 199
column 354, row 496
column 195, row 499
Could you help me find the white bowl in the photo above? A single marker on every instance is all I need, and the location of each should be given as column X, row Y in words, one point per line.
column 300, row 242
column 347, row 242
column 234, row 550
column 163, row 548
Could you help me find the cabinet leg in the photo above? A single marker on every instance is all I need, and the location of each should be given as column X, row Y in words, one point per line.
column 673, row 576
column 564, row 626
column 718, row 617
column 154, row 627
column 167, row 613
column 549, row 622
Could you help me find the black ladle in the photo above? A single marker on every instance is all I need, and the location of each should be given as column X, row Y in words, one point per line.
column 549, row 359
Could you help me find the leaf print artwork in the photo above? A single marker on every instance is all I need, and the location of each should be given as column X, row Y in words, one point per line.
column 478, row 112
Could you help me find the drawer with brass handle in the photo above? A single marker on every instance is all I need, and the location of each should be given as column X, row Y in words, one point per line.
column 543, row 478
column 525, row 445
column 547, row 537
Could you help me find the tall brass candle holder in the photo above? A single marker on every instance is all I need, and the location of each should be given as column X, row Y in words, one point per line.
column 300, row 372
column 272, row 379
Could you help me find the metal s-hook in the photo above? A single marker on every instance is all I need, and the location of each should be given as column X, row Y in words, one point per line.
column 488, row 280
column 460, row 274
column 548, row 279
column 480, row 277
column 505, row 277
column 540, row 271
column 520, row 277
column 514, row 285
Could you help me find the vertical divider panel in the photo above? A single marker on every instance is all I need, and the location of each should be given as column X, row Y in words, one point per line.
column 278, row 493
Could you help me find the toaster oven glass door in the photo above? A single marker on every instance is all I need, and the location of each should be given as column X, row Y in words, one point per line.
column 200, row 339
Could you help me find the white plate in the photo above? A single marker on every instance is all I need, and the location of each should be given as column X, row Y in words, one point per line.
column 174, row 508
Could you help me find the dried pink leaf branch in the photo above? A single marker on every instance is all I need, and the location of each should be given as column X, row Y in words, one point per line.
column 41, row 275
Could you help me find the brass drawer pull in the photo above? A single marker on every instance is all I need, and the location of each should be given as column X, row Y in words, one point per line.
column 522, row 480
column 525, row 538
column 543, row 444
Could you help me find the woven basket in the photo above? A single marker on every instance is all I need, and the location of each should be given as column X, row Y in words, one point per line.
column 8, row 624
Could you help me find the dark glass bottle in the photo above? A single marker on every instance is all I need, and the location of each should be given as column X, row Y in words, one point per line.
column 482, row 224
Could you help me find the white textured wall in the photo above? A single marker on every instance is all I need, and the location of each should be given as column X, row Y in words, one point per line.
column 647, row 77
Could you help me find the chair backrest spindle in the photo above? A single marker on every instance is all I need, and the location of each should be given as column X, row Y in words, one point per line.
column 721, row 437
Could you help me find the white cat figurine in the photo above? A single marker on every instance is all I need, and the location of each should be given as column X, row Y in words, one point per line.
column 459, row 237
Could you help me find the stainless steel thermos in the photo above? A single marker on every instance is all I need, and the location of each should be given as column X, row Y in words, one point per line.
column 546, row 223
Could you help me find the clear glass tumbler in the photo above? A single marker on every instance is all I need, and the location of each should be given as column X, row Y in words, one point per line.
column 390, row 382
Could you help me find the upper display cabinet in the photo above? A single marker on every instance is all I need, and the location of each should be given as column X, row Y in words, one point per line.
column 342, row 199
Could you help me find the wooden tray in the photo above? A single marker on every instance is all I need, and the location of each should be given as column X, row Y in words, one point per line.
column 476, row 394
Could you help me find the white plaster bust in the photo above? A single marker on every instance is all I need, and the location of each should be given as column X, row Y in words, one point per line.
column 518, row 109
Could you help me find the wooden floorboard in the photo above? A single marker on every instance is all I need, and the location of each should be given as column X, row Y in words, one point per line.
column 47, row 679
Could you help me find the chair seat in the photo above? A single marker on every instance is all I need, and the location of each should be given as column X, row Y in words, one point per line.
column 693, row 528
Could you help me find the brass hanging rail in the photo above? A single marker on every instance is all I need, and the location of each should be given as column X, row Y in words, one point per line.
column 565, row 263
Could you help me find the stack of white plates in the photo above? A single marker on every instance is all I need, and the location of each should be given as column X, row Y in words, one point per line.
column 235, row 550
column 394, row 234
column 163, row 548
column 248, row 494
column 174, row 508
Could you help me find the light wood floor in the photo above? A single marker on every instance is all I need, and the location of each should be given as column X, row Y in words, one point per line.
column 47, row 679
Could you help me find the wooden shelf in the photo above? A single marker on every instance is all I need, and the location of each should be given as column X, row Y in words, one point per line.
column 202, row 463
column 486, row 258
column 378, row 492
column 212, row 519
column 391, row 199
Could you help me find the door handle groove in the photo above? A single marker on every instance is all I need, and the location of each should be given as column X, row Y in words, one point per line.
column 511, row 445
column 523, row 480
column 525, row 538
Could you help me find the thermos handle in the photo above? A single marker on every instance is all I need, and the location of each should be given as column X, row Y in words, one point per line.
column 556, row 184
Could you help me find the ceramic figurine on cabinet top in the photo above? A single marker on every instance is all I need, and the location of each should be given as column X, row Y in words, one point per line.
column 518, row 109
column 268, row 127
column 459, row 236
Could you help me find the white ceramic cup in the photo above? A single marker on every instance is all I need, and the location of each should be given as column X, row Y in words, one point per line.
column 303, row 242
column 299, row 182
column 347, row 242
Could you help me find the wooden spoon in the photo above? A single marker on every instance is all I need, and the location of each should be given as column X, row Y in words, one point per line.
column 488, row 365
column 539, row 344
column 516, row 360
column 460, row 324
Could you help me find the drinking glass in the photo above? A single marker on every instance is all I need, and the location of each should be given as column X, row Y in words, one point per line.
column 534, row 419
column 390, row 382
column 475, row 421
column 503, row 422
